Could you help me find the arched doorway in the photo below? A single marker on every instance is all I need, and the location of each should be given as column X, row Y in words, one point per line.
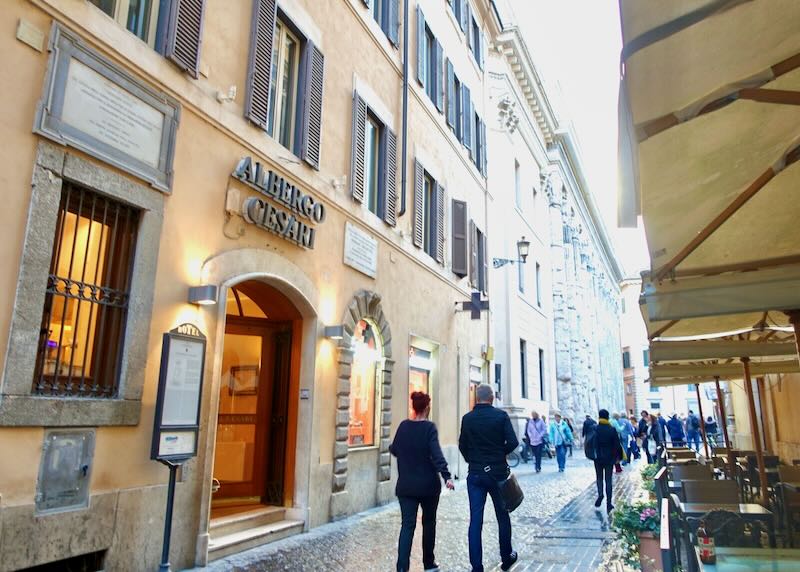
column 256, row 419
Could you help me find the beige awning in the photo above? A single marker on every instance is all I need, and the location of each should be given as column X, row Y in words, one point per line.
column 731, row 370
column 709, row 139
column 718, row 349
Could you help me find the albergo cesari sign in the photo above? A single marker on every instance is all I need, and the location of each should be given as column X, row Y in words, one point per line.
column 292, row 212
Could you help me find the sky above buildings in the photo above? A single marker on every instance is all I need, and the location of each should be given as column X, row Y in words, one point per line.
column 576, row 45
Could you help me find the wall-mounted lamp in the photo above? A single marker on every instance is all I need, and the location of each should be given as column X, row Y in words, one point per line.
column 334, row 332
column 204, row 295
column 523, row 249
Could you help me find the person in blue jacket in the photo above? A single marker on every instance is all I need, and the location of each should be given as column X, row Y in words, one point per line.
column 561, row 438
column 675, row 429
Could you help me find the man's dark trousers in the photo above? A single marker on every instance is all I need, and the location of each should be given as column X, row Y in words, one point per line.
column 537, row 455
column 478, row 486
column 408, row 511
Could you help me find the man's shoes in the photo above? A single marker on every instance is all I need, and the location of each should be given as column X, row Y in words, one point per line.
column 432, row 568
column 609, row 508
column 599, row 501
column 510, row 562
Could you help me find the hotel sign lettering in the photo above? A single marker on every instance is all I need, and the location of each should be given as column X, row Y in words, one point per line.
column 292, row 212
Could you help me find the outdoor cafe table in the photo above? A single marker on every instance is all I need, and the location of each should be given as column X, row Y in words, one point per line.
column 752, row 560
column 747, row 511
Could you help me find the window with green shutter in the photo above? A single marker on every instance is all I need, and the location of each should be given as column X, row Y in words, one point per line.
column 429, row 214
column 387, row 14
column 430, row 62
column 285, row 80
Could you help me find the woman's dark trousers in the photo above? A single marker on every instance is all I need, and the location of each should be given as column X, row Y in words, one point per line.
column 604, row 471
column 408, row 511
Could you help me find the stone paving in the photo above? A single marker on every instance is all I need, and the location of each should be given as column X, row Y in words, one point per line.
column 557, row 528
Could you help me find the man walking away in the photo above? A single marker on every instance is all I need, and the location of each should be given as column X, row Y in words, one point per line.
column 546, row 444
column 560, row 436
column 607, row 451
column 711, row 431
column 486, row 438
column 588, row 425
column 693, row 430
column 572, row 432
column 536, row 431
column 656, row 435
column 642, row 429
column 675, row 429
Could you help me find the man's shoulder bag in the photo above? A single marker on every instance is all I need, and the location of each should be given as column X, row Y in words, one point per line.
column 512, row 493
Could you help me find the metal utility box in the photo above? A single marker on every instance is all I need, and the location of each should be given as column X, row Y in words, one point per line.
column 65, row 470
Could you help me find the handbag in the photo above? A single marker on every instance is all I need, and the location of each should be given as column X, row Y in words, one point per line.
column 512, row 493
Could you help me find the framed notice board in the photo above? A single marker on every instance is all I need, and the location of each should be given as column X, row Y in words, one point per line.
column 180, row 388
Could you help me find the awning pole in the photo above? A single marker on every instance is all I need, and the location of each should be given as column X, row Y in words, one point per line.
column 702, row 419
column 794, row 319
column 724, row 420
column 751, row 402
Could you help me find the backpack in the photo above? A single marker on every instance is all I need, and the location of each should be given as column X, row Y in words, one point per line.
column 590, row 444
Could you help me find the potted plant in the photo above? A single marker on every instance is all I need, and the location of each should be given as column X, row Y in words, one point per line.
column 638, row 526
column 648, row 474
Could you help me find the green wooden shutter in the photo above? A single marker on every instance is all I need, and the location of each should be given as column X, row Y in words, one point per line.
column 421, row 64
column 473, row 143
column 358, row 149
column 440, row 226
column 439, row 77
column 451, row 89
column 184, row 32
column 473, row 254
column 394, row 22
column 460, row 261
column 419, row 204
column 468, row 23
column 484, row 162
column 311, row 145
column 464, row 4
column 466, row 112
column 390, row 178
column 485, row 246
column 262, row 34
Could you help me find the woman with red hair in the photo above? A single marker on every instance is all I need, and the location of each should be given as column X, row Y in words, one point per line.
column 419, row 463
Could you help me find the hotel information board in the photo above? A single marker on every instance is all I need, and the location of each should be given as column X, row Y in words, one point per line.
column 180, row 387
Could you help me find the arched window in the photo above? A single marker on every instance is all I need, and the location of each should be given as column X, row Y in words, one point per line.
column 365, row 380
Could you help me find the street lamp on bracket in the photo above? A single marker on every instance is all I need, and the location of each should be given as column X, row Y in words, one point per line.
column 523, row 248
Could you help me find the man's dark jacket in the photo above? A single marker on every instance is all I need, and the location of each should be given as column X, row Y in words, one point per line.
column 609, row 449
column 642, row 428
column 587, row 427
column 486, row 438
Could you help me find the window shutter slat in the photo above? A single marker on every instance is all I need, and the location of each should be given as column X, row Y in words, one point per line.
column 451, row 89
column 262, row 35
column 440, row 219
column 312, row 108
column 484, row 162
column 463, row 12
column 485, row 265
column 420, row 46
column 439, row 75
column 482, row 51
column 184, row 34
column 468, row 23
column 394, row 22
column 473, row 254
column 390, row 184
column 467, row 117
column 419, row 204
column 358, row 148
column 473, row 144
column 459, row 238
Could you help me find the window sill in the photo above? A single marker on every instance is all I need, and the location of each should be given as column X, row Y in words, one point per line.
column 360, row 449
column 31, row 411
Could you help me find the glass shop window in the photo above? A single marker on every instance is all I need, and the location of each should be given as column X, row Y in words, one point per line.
column 420, row 365
column 87, row 296
column 365, row 376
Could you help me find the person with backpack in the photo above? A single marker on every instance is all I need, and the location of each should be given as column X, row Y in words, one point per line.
column 693, row 430
column 675, row 429
column 536, row 432
column 604, row 448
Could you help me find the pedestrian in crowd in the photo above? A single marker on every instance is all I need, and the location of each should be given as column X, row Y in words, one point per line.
column 588, row 425
column 419, row 463
column 560, row 436
column 693, row 430
column 635, row 454
column 486, row 438
column 711, row 431
column 608, row 452
column 655, row 435
column 614, row 422
column 536, row 431
column 643, row 430
column 546, row 446
column 627, row 434
column 675, row 429
column 572, row 432
column 663, row 423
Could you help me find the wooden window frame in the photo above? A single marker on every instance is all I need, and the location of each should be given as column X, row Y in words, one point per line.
column 120, row 16
column 283, row 33
column 523, row 367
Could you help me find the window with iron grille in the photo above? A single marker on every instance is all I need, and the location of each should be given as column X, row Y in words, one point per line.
column 87, row 296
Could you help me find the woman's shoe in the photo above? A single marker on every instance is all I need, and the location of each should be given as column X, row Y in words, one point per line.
column 510, row 562
column 432, row 568
column 599, row 501
column 609, row 508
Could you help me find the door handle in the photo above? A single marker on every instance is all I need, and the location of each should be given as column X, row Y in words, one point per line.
column 215, row 485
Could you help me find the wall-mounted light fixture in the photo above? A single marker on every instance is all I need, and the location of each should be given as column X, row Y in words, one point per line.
column 203, row 295
column 334, row 332
column 523, row 249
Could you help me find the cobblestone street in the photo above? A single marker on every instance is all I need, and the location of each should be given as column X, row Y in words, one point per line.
column 556, row 529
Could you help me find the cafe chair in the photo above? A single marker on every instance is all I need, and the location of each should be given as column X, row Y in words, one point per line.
column 788, row 502
column 729, row 529
column 796, row 462
column 721, row 450
column 710, row 491
column 751, row 481
column 694, row 472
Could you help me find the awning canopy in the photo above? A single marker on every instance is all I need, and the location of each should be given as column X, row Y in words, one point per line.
column 709, row 139
column 718, row 349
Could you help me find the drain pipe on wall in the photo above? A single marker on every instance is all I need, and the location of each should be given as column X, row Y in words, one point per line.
column 404, row 151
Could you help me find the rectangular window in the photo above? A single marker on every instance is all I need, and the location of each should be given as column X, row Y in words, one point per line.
column 460, row 240
column 653, row 389
column 483, row 274
column 517, row 185
column 372, row 164
column 283, row 93
column 476, row 43
column 538, row 285
column 386, row 14
column 86, row 302
column 523, row 368
column 646, row 357
column 541, row 375
column 429, row 207
column 459, row 120
column 428, row 216
column 626, row 359
column 433, row 56
column 655, row 405
column 456, row 6
column 140, row 17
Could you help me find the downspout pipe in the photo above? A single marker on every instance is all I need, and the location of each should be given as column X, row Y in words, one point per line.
column 404, row 149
